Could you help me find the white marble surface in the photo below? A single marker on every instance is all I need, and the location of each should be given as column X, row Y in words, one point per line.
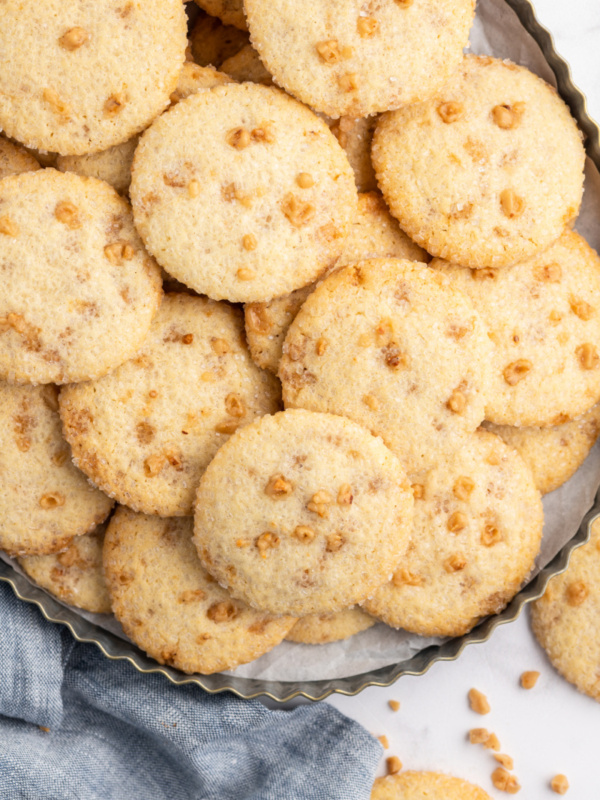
column 551, row 728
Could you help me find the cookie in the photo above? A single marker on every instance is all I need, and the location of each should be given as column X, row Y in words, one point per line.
column 476, row 532
column 247, row 66
column 374, row 234
column 171, row 607
column 75, row 274
column 355, row 136
column 212, row 43
column 566, row 620
column 145, row 433
column 392, row 345
column 425, row 786
column 488, row 172
column 543, row 317
column 356, row 59
column 102, row 71
column 553, row 454
column 193, row 78
column 242, row 193
column 75, row 576
column 326, row 628
column 15, row 159
column 46, row 500
column 302, row 513
column 230, row 12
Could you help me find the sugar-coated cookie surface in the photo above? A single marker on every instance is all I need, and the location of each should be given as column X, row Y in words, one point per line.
column 326, row 628
column 392, row 345
column 171, row 607
column 231, row 12
column 476, row 532
column 356, row 59
column 302, row 513
column 103, row 70
column 242, row 193
column 555, row 453
column 543, row 317
column 374, row 234
column 425, row 786
column 489, row 171
column 146, row 432
column 45, row 499
column 15, row 159
column 566, row 620
column 75, row 273
column 75, row 575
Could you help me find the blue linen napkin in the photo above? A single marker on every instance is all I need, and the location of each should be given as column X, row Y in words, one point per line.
column 114, row 733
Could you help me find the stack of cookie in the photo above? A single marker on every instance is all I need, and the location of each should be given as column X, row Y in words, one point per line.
column 375, row 494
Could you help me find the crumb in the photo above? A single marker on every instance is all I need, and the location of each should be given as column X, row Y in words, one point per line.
column 529, row 679
column 506, row 761
column 393, row 764
column 394, row 705
column 505, row 782
column 559, row 784
column 478, row 702
column 384, row 741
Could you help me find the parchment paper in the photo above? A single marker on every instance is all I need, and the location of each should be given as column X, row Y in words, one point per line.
column 498, row 32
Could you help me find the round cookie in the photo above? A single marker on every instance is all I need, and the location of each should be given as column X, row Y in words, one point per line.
column 566, row 620
column 247, row 66
column 46, row 500
column 146, row 432
column 488, row 172
column 392, row 345
column 75, row 576
column 543, row 317
column 242, row 193
column 15, row 159
column 374, row 234
column 326, row 628
column 74, row 274
column 193, row 78
column 230, row 12
column 102, row 71
column 553, row 454
column 356, row 59
column 302, row 513
column 212, row 43
column 476, row 532
column 425, row 786
column 355, row 136
column 171, row 607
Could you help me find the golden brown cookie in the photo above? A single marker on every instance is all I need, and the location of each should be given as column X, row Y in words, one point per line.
column 212, row 43
column 230, row 12
column 489, row 171
column 146, row 432
column 75, row 576
column 302, row 513
column 326, row 628
column 374, row 234
column 171, row 607
column 15, row 159
column 392, row 345
column 425, row 786
column 355, row 136
column 476, row 532
column 247, row 66
column 566, row 620
column 74, row 274
column 45, row 499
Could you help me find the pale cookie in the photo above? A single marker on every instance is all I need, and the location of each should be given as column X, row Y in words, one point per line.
column 543, row 317
column 302, row 513
column 242, row 193
column 566, row 620
column 114, row 165
column 325, row 628
column 45, row 499
column 75, row 576
column 425, row 786
column 80, row 79
column 553, row 454
column 356, row 59
column 392, row 345
column 355, row 136
column 230, row 12
column 247, row 66
column 476, row 532
column 14, row 159
column 374, row 234
column 171, row 607
column 78, row 289
column 488, row 172
column 146, row 432
column 212, row 43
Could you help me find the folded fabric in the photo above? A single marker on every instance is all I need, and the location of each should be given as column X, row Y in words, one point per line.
column 76, row 725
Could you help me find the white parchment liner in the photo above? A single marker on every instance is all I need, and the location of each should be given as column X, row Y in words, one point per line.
column 498, row 32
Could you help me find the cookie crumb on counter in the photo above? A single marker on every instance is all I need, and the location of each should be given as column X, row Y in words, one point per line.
column 529, row 679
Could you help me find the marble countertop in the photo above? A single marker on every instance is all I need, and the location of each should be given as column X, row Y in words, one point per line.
column 549, row 729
